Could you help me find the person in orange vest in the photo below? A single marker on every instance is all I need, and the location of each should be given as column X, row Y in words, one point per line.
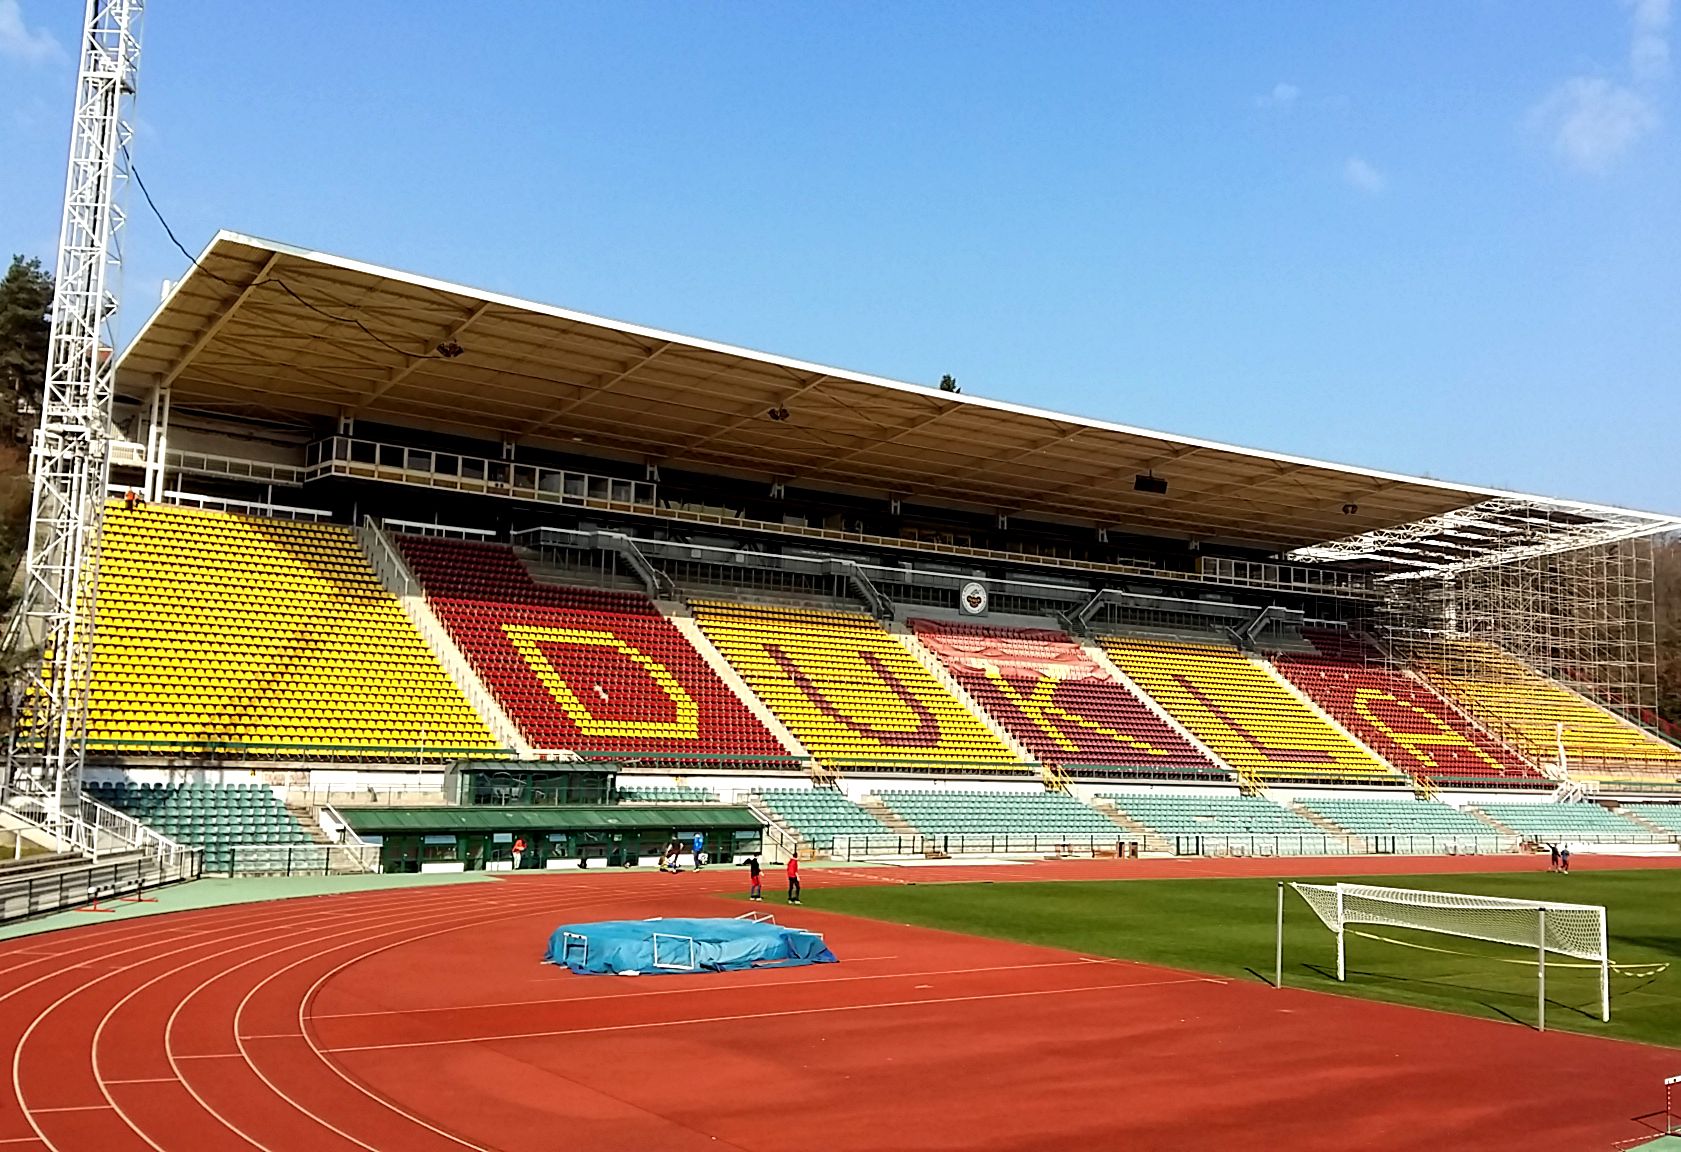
column 519, row 851
column 793, row 880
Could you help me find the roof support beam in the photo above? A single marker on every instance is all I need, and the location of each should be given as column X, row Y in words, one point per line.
column 216, row 326
column 590, row 393
column 398, row 375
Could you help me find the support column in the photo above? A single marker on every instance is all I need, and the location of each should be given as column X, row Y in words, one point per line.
column 157, row 444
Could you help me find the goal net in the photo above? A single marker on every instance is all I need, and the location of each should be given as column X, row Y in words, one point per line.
column 1573, row 930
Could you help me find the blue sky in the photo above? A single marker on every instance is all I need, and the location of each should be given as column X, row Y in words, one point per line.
column 1440, row 238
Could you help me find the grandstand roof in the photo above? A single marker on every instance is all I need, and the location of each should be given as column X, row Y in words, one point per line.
column 265, row 330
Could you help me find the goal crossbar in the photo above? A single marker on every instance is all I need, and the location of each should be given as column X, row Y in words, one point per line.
column 1574, row 930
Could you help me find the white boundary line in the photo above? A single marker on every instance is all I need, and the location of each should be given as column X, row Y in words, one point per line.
column 775, row 1015
column 703, row 988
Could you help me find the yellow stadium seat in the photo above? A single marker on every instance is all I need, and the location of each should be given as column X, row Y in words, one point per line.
column 849, row 690
column 1239, row 710
column 217, row 632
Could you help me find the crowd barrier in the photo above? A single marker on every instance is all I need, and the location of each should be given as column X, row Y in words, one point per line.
column 40, row 890
column 981, row 844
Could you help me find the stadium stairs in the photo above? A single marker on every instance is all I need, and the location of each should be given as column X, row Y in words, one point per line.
column 1061, row 706
column 678, row 613
column 936, row 667
column 242, row 637
column 1245, row 781
column 1508, row 696
column 1246, row 713
column 394, row 573
column 1400, row 718
column 224, row 820
column 586, row 670
column 854, row 695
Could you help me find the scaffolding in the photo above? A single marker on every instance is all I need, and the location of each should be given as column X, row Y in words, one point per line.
column 1583, row 618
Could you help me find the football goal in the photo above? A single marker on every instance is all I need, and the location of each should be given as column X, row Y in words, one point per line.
column 1576, row 931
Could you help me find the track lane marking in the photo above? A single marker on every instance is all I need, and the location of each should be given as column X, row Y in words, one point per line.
column 695, row 990
column 774, row 1015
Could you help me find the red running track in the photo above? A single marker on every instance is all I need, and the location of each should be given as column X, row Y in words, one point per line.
column 419, row 1019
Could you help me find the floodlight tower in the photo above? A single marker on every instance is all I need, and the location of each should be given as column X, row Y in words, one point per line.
column 70, row 457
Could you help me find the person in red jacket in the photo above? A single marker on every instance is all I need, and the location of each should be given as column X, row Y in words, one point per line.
column 793, row 880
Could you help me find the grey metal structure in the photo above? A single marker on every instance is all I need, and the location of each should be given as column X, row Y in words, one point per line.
column 70, row 458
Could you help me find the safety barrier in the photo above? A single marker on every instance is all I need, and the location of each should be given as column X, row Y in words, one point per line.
column 982, row 844
column 38, row 891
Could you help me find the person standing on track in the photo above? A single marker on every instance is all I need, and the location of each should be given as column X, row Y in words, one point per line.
column 755, row 882
column 793, row 880
column 700, row 843
column 1555, row 858
column 1564, row 859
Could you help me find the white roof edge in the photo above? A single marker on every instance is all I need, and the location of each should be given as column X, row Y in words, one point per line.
column 1661, row 522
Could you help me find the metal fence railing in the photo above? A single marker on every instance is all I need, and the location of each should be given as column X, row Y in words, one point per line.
column 979, row 844
column 1308, row 844
column 36, row 892
column 291, row 859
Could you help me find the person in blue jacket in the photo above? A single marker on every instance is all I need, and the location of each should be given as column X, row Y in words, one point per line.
column 700, row 844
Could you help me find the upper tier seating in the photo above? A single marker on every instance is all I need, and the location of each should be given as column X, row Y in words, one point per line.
column 1237, row 709
column 1216, row 813
column 951, row 812
column 846, row 688
column 1064, row 708
column 1518, row 702
column 665, row 794
column 1568, row 822
column 218, row 632
column 578, row 668
column 210, row 816
column 1401, row 719
column 818, row 815
column 1397, row 816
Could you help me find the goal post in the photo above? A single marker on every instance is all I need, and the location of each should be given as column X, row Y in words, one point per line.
column 1577, row 931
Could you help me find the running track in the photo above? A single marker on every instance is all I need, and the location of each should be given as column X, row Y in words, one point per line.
column 419, row 1020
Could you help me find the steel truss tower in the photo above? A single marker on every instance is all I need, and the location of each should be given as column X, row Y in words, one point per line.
column 70, row 457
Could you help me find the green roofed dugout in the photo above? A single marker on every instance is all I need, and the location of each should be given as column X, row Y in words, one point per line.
column 438, row 838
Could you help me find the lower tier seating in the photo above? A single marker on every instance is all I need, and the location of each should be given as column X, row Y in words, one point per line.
column 1567, row 822
column 217, row 818
column 221, row 634
column 1249, row 719
column 1403, row 720
column 1061, row 706
column 1216, row 814
column 666, row 794
column 579, row 668
column 1520, row 703
column 1396, row 816
column 1666, row 816
column 953, row 812
column 818, row 815
column 847, row 689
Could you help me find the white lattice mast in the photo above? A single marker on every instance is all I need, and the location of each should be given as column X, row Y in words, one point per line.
column 70, row 458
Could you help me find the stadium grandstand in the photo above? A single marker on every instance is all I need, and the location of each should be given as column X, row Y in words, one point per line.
column 370, row 535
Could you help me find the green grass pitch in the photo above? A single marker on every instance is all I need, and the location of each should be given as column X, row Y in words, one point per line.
column 1226, row 928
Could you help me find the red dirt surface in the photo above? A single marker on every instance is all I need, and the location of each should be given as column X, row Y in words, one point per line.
column 421, row 1019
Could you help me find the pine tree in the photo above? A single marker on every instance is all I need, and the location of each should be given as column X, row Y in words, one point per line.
column 26, row 297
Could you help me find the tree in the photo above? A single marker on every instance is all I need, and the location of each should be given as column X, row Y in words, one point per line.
column 26, row 298
column 948, row 383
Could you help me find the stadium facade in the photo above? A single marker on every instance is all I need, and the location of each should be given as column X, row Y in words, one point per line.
column 364, row 524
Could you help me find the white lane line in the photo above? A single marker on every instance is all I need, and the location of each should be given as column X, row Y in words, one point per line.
column 768, row 1015
column 697, row 989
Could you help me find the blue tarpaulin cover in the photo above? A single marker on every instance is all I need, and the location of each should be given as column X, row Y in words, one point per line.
column 708, row 945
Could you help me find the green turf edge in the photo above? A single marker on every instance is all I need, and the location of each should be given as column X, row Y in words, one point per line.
column 220, row 892
column 1226, row 928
